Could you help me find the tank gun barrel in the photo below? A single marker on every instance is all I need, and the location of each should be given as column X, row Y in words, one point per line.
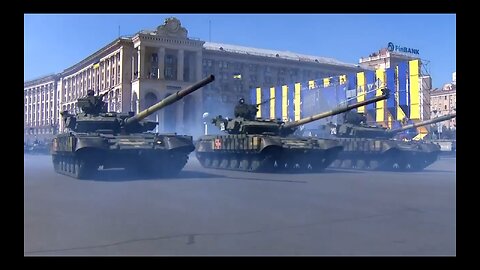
column 265, row 101
column 424, row 123
column 104, row 94
column 338, row 110
column 169, row 100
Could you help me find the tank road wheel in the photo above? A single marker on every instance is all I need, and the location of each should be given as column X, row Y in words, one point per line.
column 244, row 164
column 78, row 168
column 224, row 163
column 56, row 163
column 215, row 162
column 255, row 164
column 347, row 164
column 63, row 165
column 373, row 164
column 83, row 168
column 71, row 165
column 233, row 164
column 336, row 164
column 360, row 164
column 207, row 161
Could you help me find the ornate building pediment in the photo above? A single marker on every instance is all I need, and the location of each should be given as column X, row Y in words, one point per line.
column 172, row 28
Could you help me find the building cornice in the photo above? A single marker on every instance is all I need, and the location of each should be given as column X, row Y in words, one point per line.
column 275, row 54
column 42, row 80
column 442, row 92
column 95, row 57
column 175, row 41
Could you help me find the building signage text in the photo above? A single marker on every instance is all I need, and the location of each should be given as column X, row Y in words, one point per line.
column 392, row 47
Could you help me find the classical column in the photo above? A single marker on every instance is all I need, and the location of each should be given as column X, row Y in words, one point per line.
column 133, row 67
column 120, row 66
column 104, row 75
column 198, row 66
column 161, row 63
column 180, row 65
column 140, row 57
column 110, row 81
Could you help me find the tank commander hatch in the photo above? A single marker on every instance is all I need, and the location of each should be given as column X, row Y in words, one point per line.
column 96, row 102
column 246, row 111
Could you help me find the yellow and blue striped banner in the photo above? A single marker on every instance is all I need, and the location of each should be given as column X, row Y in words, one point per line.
column 380, row 112
column 414, row 70
column 361, row 90
column 285, row 103
column 259, row 99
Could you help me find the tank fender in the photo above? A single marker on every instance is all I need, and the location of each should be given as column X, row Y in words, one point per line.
column 92, row 142
column 269, row 141
column 177, row 141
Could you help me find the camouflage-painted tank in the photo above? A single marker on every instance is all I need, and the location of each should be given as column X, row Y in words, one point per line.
column 373, row 148
column 120, row 140
column 268, row 145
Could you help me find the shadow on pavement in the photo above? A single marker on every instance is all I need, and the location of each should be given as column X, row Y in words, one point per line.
column 122, row 175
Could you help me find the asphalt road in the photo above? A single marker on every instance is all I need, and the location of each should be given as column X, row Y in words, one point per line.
column 216, row 212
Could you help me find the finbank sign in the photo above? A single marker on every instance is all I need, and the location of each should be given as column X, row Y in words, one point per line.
column 392, row 47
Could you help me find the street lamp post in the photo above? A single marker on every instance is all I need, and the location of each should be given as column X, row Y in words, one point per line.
column 205, row 115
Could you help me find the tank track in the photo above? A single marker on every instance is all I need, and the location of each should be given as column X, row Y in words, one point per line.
column 73, row 166
column 165, row 165
column 393, row 161
column 254, row 162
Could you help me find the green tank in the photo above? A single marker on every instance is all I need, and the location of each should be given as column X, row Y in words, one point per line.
column 374, row 148
column 120, row 140
column 260, row 145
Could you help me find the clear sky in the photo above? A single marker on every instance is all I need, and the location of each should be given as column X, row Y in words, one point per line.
column 54, row 42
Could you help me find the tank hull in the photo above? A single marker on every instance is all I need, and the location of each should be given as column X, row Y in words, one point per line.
column 81, row 155
column 263, row 153
column 388, row 155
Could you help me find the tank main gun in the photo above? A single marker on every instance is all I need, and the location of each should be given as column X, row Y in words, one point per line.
column 385, row 95
column 263, row 102
column 169, row 100
column 423, row 123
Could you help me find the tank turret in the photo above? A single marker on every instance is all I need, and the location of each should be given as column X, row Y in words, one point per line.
column 242, row 124
column 94, row 117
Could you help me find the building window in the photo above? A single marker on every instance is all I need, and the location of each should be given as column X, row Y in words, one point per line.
column 445, row 107
column 170, row 67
